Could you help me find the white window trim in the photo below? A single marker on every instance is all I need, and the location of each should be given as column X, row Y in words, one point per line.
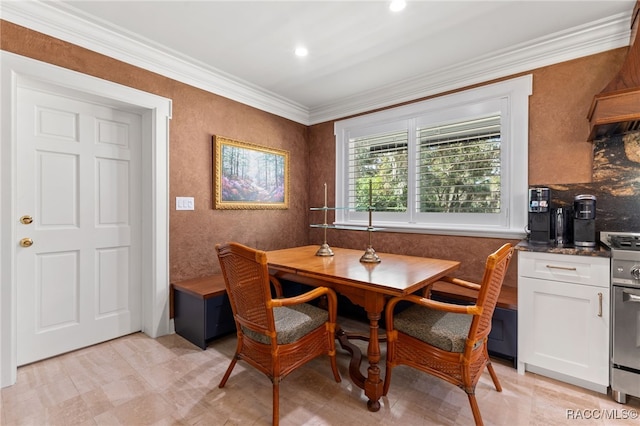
column 513, row 95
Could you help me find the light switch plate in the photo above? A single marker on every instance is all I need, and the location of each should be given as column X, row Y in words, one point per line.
column 185, row 203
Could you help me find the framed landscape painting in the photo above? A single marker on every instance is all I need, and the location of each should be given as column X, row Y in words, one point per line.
column 248, row 176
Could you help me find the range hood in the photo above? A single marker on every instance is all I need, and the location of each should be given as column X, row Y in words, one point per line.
column 616, row 109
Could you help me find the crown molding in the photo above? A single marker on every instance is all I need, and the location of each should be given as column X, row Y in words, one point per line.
column 598, row 36
column 96, row 36
column 595, row 37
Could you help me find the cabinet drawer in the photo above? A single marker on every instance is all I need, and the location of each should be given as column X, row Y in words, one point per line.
column 587, row 270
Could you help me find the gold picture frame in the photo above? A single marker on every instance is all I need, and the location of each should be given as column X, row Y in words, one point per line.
column 249, row 176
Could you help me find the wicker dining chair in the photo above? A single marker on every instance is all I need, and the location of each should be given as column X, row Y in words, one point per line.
column 275, row 335
column 446, row 340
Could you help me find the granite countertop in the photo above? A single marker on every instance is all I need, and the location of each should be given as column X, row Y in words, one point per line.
column 599, row 250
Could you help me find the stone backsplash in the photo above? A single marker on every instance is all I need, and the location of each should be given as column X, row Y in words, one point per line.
column 615, row 183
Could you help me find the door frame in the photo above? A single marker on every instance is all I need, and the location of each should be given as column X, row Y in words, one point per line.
column 156, row 114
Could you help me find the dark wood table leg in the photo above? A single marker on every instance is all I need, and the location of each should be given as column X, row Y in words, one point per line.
column 356, row 356
column 371, row 384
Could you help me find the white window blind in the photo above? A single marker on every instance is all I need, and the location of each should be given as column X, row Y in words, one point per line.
column 455, row 164
column 459, row 167
column 380, row 163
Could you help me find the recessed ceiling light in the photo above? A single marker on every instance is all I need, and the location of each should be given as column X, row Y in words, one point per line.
column 397, row 5
column 301, row 51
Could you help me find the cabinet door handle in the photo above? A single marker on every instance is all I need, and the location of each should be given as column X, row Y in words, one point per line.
column 565, row 268
column 599, row 304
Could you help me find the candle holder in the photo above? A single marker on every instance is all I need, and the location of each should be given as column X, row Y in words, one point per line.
column 370, row 255
column 324, row 249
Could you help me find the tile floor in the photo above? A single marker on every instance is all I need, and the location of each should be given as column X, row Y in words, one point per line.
column 135, row 380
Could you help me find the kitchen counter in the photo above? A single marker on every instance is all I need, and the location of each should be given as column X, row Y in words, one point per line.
column 597, row 251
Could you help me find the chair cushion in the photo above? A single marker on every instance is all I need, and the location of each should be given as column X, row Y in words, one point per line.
column 292, row 323
column 445, row 330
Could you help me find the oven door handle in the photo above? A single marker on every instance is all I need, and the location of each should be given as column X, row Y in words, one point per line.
column 627, row 296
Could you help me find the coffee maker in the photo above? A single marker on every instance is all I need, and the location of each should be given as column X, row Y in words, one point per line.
column 539, row 216
column 584, row 221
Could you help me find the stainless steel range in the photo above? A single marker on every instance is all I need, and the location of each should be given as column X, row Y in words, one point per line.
column 625, row 313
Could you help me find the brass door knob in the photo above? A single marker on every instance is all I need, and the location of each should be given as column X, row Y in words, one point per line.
column 26, row 219
column 26, row 242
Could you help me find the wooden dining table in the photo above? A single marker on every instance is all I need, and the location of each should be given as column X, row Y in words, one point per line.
column 368, row 285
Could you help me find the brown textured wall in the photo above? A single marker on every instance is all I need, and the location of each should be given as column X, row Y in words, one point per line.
column 197, row 115
column 558, row 127
column 558, row 153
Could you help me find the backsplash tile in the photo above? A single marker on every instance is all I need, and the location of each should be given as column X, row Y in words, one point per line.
column 616, row 184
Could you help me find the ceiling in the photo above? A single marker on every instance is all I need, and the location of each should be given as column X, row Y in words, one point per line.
column 361, row 55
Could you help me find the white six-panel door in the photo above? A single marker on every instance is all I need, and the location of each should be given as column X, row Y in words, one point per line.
column 79, row 181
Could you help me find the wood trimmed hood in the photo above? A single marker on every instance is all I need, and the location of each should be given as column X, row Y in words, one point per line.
column 616, row 109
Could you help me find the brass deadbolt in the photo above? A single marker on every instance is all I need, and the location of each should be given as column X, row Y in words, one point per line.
column 26, row 219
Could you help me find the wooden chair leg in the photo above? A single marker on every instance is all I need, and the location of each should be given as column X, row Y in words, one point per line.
column 494, row 377
column 276, row 402
column 475, row 409
column 334, row 367
column 387, row 380
column 228, row 372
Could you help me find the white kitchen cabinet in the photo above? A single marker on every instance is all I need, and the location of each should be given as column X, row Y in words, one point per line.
column 563, row 317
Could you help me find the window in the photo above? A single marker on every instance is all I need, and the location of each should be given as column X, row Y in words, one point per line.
column 456, row 164
column 459, row 167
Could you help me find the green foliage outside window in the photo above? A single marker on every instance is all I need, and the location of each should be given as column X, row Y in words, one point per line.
column 384, row 167
column 460, row 177
column 458, row 169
